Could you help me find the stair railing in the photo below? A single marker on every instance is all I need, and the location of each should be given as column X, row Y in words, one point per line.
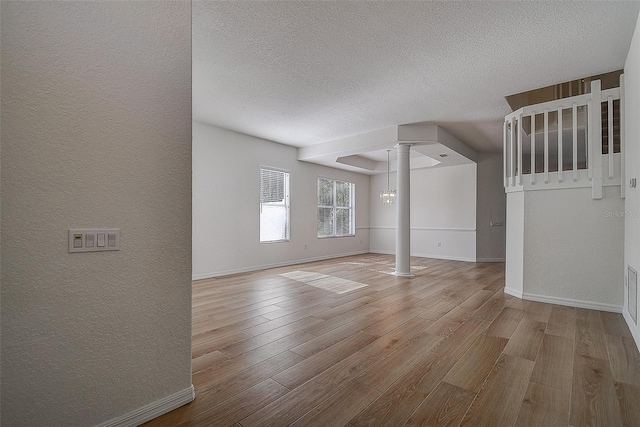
column 581, row 142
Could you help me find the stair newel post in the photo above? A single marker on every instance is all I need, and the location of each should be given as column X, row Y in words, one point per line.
column 623, row 175
column 504, row 154
column 560, row 161
column 512, row 153
column 546, row 146
column 595, row 140
column 520, row 149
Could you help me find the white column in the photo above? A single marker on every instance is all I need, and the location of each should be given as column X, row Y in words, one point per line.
column 403, row 222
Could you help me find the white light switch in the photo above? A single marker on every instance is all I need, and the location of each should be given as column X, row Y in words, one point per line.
column 94, row 240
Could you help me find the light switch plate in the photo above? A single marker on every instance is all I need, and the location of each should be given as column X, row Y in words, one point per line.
column 89, row 240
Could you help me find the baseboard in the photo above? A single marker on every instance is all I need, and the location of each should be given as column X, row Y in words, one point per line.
column 446, row 257
column 565, row 301
column 152, row 410
column 513, row 292
column 274, row 265
column 632, row 327
column 490, row 260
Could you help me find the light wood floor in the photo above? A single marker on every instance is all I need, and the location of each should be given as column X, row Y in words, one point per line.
column 446, row 347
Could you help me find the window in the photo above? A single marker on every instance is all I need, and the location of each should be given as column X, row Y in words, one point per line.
column 274, row 205
column 335, row 208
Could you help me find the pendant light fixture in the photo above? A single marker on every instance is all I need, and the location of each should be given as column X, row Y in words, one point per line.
column 388, row 196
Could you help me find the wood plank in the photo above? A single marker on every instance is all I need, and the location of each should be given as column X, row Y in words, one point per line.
column 203, row 362
column 538, row 311
column 240, row 363
column 624, row 359
column 384, row 373
column 217, row 343
column 231, row 410
column 490, row 309
column 292, row 406
column 505, row 323
column 590, row 340
column 593, row 400
column 629, row 403
column 445, row 406
column 269, row 337
column 499, row 401
column 475, row 365
column 445, row 326
column 554, row 364
column 342, row 406
column 562, row 321
column 231, row 385
column 525, row 340
column 614, row 324
column 461, row 339
column 391, row 340
column 400, row 400
column 544, row 406
column 314, row 365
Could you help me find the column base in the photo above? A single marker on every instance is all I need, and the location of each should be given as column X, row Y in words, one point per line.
column 403, row 274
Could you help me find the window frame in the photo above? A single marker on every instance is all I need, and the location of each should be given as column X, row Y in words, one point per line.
column 286, row 204
column 334, row 208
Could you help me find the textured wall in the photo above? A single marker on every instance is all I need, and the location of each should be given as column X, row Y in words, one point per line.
column 443, row 209
column 226, row 218
column 96, row 132
column 632, row 162
column 491, row 206
column 573, row 245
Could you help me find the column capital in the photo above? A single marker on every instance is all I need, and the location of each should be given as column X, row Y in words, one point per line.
column 404, row 144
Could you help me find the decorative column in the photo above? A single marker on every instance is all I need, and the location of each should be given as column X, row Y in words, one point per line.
column 403, row 231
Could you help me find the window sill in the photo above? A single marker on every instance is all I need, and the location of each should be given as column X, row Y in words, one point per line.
column 275, row 241
column 336, row 237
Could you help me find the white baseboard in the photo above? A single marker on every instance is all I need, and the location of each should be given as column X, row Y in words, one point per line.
column 210, row 275
column 447, row 257
column 513, row 292
column 490, row 260
column 632, row 327
column 564, row 301
column 152, row 410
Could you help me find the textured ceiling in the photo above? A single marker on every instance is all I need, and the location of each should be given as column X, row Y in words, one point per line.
column 301, row 73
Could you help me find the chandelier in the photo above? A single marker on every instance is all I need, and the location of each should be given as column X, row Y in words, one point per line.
column 388, row 196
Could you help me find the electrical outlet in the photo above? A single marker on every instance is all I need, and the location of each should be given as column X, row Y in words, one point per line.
column 439, row 244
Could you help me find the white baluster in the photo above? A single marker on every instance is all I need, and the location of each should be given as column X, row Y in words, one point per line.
column 533, row 147
column 574, row 108
column 610, row 134
column 546, row 146
column 520, row 149
column 560, row 144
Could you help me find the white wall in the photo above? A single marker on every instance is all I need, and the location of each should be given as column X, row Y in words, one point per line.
column 491, row 207
column 632, row 163
column 443, row 210
column 573, row 245
column 226, row 220
column 96, row 132
column 514, row 260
